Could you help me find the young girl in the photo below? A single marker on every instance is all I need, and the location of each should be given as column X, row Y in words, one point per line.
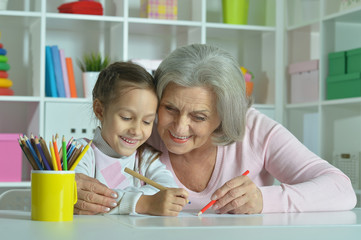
column 125, row 103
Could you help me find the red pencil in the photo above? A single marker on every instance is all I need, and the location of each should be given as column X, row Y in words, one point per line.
column 214, row 201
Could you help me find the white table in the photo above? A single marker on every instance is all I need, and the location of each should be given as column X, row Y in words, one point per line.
column 321, row 225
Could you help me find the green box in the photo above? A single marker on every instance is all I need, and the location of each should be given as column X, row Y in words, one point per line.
column 353, row 60
column 337, row 63
column 344, row 86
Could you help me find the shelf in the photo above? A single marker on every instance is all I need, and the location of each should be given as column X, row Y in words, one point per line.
column 310, row 105
column 344, row 101
column 19, row 99
column 241, row 27
column 15, row 184
column 350, row 15
column 68, row 100
column 31, row 25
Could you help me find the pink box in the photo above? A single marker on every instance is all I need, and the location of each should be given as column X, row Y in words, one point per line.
column 304, row 82
column 10, row 158
column 159, row 9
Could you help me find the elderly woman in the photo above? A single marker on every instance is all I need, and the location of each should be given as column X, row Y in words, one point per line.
column 209, row 136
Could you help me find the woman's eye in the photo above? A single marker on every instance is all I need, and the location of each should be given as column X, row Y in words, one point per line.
column 169, row 108
column 199, row 118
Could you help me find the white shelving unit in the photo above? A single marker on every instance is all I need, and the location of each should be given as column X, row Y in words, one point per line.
column 312, row 35
column 278, row 33
column 27, row 26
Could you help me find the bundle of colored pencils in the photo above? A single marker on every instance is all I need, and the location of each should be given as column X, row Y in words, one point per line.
column 40, row 157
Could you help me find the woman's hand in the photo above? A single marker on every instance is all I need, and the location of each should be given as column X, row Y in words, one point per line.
column 93, row 196
column 238, row 195
column 168, row 202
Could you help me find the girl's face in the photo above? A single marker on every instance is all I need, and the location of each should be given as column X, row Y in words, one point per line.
column 187, row 117
column 127, row 123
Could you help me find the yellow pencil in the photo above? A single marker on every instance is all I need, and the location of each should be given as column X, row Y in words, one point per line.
column 53, row 159
column 80, row 156
column 145, row 179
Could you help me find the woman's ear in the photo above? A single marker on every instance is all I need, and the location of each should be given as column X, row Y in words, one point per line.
column 98, row 109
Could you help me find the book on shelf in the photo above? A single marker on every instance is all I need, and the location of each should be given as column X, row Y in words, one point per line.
column 50, row 82
column 59, row 80
column 71, row 78
column 64, row 73
column 58, row 71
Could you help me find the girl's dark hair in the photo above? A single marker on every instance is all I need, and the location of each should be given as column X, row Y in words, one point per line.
column 116, row 80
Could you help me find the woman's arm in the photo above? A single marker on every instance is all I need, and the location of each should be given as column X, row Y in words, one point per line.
column 308, row 183
column 93, row 196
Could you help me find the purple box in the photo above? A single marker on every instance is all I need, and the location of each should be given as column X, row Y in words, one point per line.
column 304, row 82
column 10, row 158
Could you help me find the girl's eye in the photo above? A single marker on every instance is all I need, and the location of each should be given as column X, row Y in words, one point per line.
column 126, row 118
column 147, row 122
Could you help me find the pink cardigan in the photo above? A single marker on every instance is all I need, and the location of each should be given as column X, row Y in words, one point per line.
column 268, row 151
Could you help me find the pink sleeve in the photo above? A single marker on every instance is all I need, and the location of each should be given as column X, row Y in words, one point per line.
column 308, row 183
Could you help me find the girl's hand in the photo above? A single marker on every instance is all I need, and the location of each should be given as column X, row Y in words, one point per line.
column 238, row 195
column 168, row 202
column 93, row 196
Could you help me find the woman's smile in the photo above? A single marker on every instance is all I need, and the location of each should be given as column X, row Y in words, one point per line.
column 179, row 139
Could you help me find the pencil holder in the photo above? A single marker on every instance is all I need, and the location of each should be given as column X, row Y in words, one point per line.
column 53, row 195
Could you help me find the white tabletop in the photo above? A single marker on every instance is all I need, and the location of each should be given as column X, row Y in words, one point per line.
column 320, row 225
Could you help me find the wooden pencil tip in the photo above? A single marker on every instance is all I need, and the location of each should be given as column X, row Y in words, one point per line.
column 199, row 213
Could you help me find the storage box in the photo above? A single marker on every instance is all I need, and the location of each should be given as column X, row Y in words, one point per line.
column 304, row 82
column 159, row 9
column 337, row 63
column 353, row 60
column 10, row 158
column 344, row 86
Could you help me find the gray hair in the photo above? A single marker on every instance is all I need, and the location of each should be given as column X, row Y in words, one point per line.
column 199, row 65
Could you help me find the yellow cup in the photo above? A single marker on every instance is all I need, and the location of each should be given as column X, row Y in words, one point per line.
column 53, row 195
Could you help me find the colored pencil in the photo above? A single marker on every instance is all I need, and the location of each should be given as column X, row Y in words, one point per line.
column 69, row 143
column 65, row 159
column 75, row 154
column 28, row 155
column 145, row 179
column 33, row 144
column 214, row 201
column 33, row 153
column 80, row 156
column 46, row 152
column 45, row 161
column 70, row 150
column 55, row 145
column 53, row 158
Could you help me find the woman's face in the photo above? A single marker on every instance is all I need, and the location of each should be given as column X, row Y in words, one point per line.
column 187, row 118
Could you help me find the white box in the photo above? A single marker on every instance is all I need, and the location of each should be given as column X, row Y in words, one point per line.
column 304, row 86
